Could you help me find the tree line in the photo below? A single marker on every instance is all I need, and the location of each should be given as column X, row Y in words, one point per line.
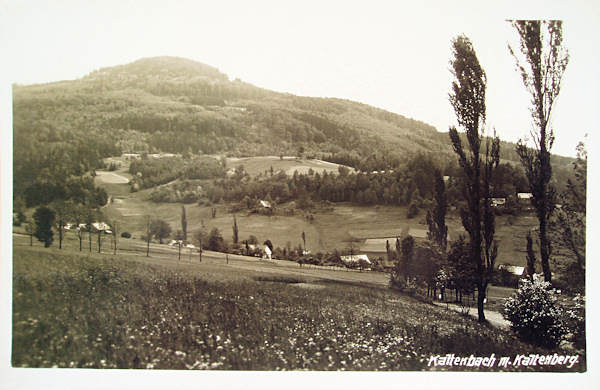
column 542, row 63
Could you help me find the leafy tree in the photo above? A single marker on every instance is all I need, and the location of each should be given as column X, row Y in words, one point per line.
column 490, row 246
column 161, row 229
column 18, row 209
column 432, row 267
column 179, row 242
column 460, row 269
column 147, row 226
column 235, row 231
column 363, row 264
column 388, row 250
column 407, row 255
column 30, row 230
column 304, row 239
column 468, row 100
column 352, row 247
column 44, row 219
column 99, row 231
column 436, row 219
column 215, row 240
column 89, row 218
column 400, row 274
column 78, row 214
column 531, row 260
column 183, row 224
column 544, row 63
column 198, row 240
column 114, row 229
column 62, row 211
column 413, row 209
column 569, row 222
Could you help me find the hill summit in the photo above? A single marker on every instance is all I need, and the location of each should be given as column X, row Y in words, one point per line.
column 163, row 67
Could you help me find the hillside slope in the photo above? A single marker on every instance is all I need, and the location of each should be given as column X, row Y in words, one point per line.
column 169, row 104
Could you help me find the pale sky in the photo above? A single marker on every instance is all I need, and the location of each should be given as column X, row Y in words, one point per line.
column 389, row 54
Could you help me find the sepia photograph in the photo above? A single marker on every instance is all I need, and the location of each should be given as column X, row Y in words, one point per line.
column 256, row 194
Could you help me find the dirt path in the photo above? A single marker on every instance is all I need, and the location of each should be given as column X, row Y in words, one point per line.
column 493, row 317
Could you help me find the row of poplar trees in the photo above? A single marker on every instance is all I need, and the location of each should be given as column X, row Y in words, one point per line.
column 541, row 64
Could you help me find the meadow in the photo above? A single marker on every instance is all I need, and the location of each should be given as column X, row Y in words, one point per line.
column 328, row 231
column 73, row 309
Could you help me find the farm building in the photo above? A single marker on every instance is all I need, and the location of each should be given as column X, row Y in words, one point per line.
column 101, row 226
column 513, row 269
column 376, row 247
column 355, row 259
column 417, row 234
column 498, row 201
column 524, row 197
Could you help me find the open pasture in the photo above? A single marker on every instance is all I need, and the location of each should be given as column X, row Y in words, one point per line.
column 255, row 166
column 328, row 231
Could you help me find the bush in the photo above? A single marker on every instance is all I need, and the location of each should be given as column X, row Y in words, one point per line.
column 126, row 235
column 397, row 281
column 413, row 210
column 576, row 322
column 534, row 314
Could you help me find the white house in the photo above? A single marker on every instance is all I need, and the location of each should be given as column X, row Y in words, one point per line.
column 350, row 259
column 513, row 269
column 498, row 201
column 267, row 253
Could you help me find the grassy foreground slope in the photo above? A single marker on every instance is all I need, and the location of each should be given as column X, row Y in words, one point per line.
column 96, row 310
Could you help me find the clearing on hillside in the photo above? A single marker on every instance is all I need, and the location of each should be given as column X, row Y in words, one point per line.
column 259, row 165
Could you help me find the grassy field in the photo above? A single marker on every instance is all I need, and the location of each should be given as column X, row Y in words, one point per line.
column 255, row 166
column 73, row 309
column 328, row 231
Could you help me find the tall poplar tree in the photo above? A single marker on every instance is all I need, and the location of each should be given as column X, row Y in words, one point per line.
column 183, row 224
column 236, row 236
column 542, row 68
column 436, row 219
column 468, row 100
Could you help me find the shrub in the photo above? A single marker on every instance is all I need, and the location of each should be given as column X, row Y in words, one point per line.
column 576, row 322
column 413, row 210
column 397, row 281
column 534, row 314
column 126, row 235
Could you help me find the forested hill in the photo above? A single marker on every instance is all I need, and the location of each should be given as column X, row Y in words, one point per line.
column 169, row 104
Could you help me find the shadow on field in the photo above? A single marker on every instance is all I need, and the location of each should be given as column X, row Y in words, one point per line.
column 280, row 279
